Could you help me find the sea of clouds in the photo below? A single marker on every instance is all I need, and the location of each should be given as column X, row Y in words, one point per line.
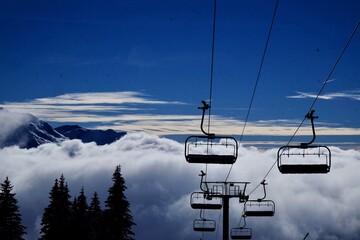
column 159, row 183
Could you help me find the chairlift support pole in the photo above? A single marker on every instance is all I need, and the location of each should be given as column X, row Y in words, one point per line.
column 226, row 199
column 226, row 217
column 229, row 190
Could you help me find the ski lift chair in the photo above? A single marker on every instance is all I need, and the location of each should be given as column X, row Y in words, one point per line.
column 304, row 158
column 259, row 207
column 210, row 148
column 202, row 200
column 204, row 225
column 241, row 232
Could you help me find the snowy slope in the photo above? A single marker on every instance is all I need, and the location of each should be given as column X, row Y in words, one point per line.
column 27, row 131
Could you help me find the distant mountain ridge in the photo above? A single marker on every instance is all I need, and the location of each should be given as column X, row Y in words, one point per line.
column 27, row 131
column 100, row 137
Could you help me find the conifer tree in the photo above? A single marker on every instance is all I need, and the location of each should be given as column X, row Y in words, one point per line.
column 118, row 218
column 80, row 222
column 10, row 218
column 96, row 217
column 74, row 205
column 55, row 222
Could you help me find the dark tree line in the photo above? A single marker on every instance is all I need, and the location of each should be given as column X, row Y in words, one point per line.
column 10, row 218
column 66, row 218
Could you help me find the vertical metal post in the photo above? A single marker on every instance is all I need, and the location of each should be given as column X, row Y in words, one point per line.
column 226, row 217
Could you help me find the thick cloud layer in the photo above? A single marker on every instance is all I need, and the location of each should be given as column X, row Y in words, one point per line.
column 9, row 121
column 160, row 182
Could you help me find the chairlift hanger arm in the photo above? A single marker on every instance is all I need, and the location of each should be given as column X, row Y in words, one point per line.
column 204, row 108
column 202, row 174
column 201, row 214
column 263, row 183
column 244, row 217
column 310, row 115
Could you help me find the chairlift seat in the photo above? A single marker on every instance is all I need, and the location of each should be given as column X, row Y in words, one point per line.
column 304, row 168
column 212, row 159
column 211, row 149
column 199, row 201
column 204, row 225
column 241, row 233
column 263, row 208
column 312, row 159
column 206, row 206
column 259, row 213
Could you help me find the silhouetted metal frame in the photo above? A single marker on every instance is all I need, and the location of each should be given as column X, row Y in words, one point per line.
column 226, row 189
column 259, row 208
column 204, row 225
column 241, row 233
column 202, row 200
column 299, row 168
column 211, row 141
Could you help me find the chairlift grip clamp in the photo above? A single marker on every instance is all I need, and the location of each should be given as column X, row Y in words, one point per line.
column 310, row 115
column 204, row 108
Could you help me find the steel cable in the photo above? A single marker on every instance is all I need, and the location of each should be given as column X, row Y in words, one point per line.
column 257, row 79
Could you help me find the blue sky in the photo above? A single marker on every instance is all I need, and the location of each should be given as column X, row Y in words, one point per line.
column 159, row 52
column 144, row 66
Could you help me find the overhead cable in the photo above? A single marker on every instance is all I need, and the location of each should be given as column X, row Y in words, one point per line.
column 315, row 99
column 257, row 79
column 212, row 62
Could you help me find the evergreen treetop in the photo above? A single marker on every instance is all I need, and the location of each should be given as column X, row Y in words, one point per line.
column 55, row 223
column 10, row 218
column 63, row 219
column 96, row 217
column 118, row 218
column 80, row 222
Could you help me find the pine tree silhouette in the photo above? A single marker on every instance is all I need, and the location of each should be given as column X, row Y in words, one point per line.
column 118, row 218
column 10, row 218
column 55, row 222
column 96, row 217
column 80, row 222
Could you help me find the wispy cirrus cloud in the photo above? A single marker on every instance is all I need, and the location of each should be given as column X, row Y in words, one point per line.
column 101, row 98
column 89, row 105
column 353, row 95
column 136, row 111
column 129, row 111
